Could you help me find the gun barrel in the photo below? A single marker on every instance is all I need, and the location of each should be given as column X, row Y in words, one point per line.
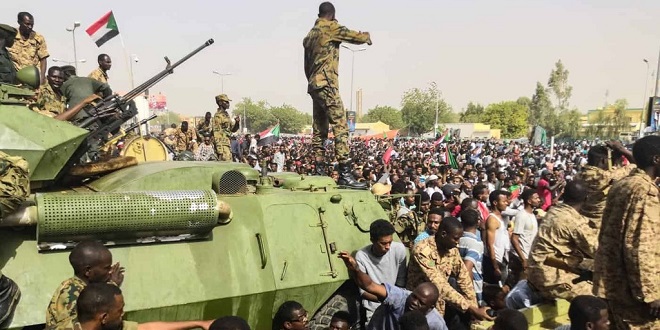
column 161, row 75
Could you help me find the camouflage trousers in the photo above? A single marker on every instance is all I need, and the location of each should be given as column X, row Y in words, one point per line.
column 329, row 110
column 631, row 317
column 223, row 152
column 14, row 183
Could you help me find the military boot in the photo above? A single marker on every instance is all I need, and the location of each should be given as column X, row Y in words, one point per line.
column 346, row 178
column 9, row 295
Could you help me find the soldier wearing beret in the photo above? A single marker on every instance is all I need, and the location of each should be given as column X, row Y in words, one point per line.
column 223, row 126
column 7, row 69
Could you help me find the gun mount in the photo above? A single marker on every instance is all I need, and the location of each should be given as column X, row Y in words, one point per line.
column 104, row 119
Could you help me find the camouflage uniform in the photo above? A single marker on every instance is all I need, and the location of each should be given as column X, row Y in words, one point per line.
column 598, row 183
column 626, row 266
column 427, row 265
column 566, row 235
column 62, row 307
column 222, row 129
column 62, row 314
column 48, row 101
column 186, row 140
column 99, row 75
column 169, row 137
column 14, row 183
column 321, row 69
column 28, row 52
column 204, row 129
column 408, row 225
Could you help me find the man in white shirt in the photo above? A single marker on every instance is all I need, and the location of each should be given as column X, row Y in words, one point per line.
column 525, row 228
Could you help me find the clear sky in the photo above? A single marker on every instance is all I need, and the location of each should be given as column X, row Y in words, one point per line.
column 476, row 50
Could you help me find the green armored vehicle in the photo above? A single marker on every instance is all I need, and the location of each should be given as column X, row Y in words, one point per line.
column 198, row 240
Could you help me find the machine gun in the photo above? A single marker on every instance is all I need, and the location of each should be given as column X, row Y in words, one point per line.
column 103, row 119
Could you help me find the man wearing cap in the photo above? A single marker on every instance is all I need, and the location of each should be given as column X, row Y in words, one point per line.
column 223, row 126
column 321, row 69
column 29, row 47
column 7, row 68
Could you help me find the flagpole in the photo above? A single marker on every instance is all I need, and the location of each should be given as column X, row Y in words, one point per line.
column 130, row 72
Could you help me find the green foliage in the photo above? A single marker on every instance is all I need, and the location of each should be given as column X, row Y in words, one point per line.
column 257, row 114
column 508, row 116
column 291, row 120
column 610, row 122
column 540, row 109
column 261, row 115
column 568, row 123
column 558, row 84
column 386, row 114
column 419, row 106
column 166, row 119
column 473, row 114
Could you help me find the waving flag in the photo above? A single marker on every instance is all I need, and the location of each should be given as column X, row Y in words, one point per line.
column 269, row 136
column 451, row 159
column 104, row 29
column 387, row 155
column 443, row 138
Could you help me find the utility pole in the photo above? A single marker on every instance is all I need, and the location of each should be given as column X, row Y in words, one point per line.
column 642, row 121
column 353, row 68
column 657, row 77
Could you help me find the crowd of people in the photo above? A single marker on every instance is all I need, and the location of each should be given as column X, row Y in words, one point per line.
column 491, row 224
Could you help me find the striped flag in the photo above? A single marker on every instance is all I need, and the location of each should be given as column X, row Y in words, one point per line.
column 269, row 136
column 443, row 138
column 104, row 29
column 451, row 159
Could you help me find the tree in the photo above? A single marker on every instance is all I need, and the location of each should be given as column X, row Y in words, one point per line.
column 508, row 116
column 258, row 115
column 166, row 119
column 473, row 113
column 418, row 109
column 569, row 123
column 618, row 119
column 291, row 120
column 558, row 84
column 540, row 109
column 386, row 114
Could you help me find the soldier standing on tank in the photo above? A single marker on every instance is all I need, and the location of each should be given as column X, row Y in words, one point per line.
column 14, row 189
column 7, row 68
column 101, row 73
column 223, row 126
column 29, row 47
column 321, row 69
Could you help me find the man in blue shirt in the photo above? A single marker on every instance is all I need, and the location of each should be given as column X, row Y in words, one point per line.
column 396, row 301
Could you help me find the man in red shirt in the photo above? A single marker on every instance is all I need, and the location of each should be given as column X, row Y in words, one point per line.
column 545, row 190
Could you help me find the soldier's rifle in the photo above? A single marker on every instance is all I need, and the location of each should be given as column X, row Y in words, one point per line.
column 104, row 118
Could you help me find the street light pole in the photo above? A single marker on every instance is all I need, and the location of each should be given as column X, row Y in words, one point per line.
column 642, row 121
column 353, row 51
column 134, row 58
column 657, row 78
column 222, row 79
column 73, row 33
